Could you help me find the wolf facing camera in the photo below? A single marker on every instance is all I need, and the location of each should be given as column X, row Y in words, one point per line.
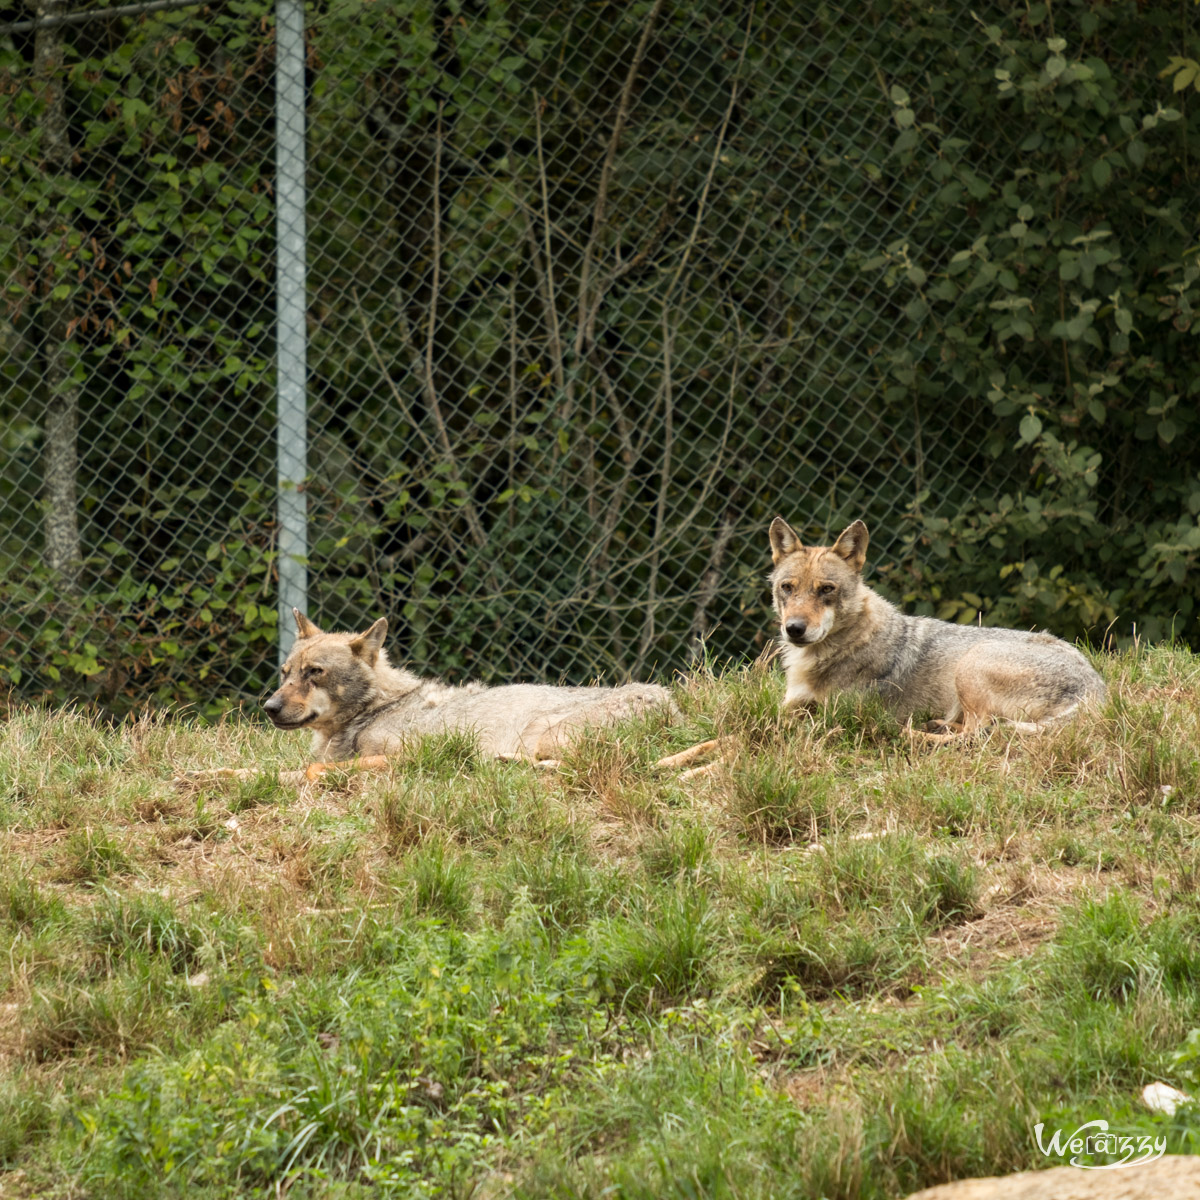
column 838, row 635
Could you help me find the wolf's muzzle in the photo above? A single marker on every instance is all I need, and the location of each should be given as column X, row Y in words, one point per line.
column 274, row 709
column 795, row 629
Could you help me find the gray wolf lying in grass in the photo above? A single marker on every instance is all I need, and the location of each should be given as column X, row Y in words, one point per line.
column 360, row 709
column 839, row 635
column 342, row 688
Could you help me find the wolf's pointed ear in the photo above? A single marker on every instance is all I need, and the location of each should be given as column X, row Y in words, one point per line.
column 852, row 545
column 367, row 645
column 784, row 540
column 304, row 627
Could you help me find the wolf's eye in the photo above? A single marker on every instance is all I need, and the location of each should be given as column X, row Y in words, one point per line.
column 786, row 589
column 314, row 672
column 826, row 589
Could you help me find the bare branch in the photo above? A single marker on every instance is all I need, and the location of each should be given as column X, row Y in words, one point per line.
column 435, row 408
column 397, row 395
column 600, row 211
column 556, row 349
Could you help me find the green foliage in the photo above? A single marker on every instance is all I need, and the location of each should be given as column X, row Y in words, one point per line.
column 925, row 267
column 388, row 1077
column 1057, row 294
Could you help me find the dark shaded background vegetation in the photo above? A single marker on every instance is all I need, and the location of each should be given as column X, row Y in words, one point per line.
column 595, row 291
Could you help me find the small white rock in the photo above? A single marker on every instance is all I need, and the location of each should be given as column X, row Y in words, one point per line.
column 1163, row 1098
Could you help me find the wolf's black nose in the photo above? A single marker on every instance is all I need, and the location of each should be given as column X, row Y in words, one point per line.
column 795, row 629
column 273, row 705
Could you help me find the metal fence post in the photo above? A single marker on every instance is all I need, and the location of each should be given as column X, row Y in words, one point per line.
column 291, row 361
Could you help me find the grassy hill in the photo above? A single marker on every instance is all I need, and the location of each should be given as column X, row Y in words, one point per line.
column 847, row 964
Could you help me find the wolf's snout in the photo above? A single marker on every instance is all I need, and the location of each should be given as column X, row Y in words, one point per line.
column 795, row 629
column 272, row 706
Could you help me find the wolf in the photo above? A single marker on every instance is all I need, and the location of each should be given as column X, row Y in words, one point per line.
column 838, row 634
column 342, row 688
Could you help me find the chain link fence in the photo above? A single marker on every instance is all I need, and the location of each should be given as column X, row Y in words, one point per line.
column 594, row 291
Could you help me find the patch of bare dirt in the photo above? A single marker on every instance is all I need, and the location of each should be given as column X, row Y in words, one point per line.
column 1023, row 913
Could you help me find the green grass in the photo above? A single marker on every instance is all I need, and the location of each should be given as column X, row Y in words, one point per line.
column 844, row 964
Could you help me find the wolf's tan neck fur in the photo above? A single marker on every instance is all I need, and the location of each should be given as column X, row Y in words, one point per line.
column 813, row 672
column 392, row 683
column 389, row 686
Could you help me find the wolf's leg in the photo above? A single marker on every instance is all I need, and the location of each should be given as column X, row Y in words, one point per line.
column 541, row 764
column 943, row 732
column 216, row 774
column 314, row 771
column 957, row 723
column 220, row 773
column 707, row 769
column 700, row 750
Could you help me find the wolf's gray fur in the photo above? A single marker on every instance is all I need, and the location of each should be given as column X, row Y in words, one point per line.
column 839, row 635
column 342, row 688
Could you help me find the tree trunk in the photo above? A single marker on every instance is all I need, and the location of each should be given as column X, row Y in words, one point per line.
column 60, row 456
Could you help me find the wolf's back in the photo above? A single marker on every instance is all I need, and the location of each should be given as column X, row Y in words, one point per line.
column 923, row 654
column 514, row 719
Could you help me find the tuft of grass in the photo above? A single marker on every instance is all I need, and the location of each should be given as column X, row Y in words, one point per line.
column 604, row 772
column 401, row 817
column 857, row 720
column 563, row 884
column 666, row 957
column 747, row 707
column 26, row 906
column 122, row 1015
column 27, row 1115
column 918, row 1125
column 321, row 867
column 440, row 882
column 132, row 926
column 773, row 803
column 91, row 855
column 822, row 958
column 1108, row 950
column 444, row 755
column 951, row 887
column 264, row 788
column 678, row 851
column 987, row 1008
column 895, row 873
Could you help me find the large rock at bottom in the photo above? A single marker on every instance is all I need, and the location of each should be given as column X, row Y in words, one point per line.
column 1175, row 1177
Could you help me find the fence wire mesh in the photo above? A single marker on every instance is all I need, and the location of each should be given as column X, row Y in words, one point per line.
column 594, row 291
